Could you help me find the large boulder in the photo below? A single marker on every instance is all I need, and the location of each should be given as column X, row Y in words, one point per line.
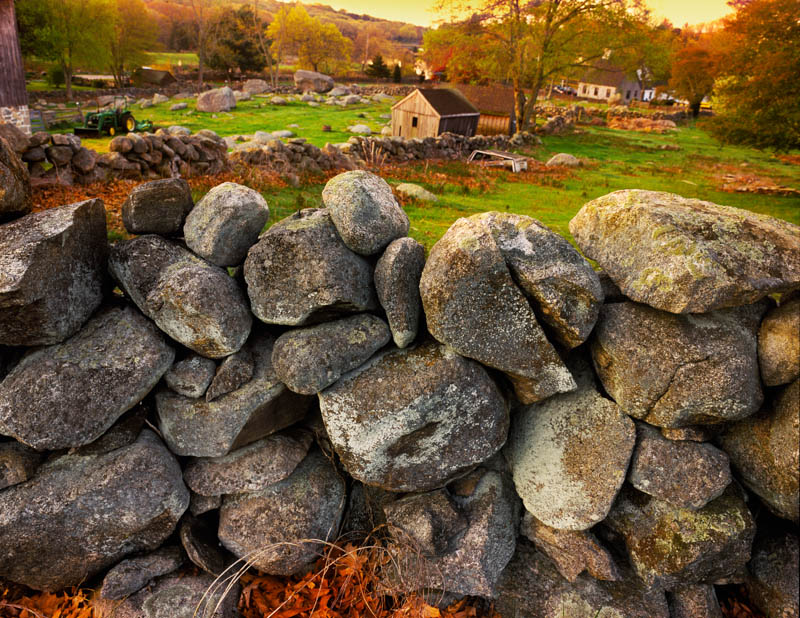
column 414, row 419
column 466, row 540
column 157, row 207
column 14, row 137
column 310, row 359
column 678, row 370
column 774, row 575
column 685, row 255
column 364, row 211
column 194, row 302
column 669, row 545
column 275, row 528
column 255, row 86
column 473, row 305
column 262, row 406
column 83, row 513
column 52, row 273
column 69, row 394
column 300, row 268
column 531, row 587
column 312, row 81
column 15, row 184
column 779, row 344
column 217, row 100
column 397, row 276
column 225, row 223
column 765, row 450
column 568, row 457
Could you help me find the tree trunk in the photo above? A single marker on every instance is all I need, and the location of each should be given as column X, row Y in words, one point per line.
column 200, row 58
column 12, row 86
column 519, row 105
column 695, row 107
column 67, row 79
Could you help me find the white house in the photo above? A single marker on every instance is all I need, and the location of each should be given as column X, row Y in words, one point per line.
column 605, row 81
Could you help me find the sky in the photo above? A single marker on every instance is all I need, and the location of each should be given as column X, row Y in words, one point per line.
column 420, row 12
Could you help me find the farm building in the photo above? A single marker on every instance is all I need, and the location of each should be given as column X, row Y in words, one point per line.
column 604, row 82
column 430, row 112
column 496, row 105
column 144, row 77
column 13, row 95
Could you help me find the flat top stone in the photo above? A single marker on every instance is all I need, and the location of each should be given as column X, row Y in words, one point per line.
column 685, row 255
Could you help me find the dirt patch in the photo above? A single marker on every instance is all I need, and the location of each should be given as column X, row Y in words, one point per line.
column 752, row 183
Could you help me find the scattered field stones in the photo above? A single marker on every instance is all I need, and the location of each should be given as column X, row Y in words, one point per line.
column 250, row 468
column 310, row 359
column 133, row 574
column 568, row 457
column 282, row 520
column 685, row 255
column 191, row 376
column 563, row 159
column 668, row 545
column 678, row 370
column 779, row 344
column 300, row 268
column 69, row 394
column 687, row 474
column 364, row 211
column 157, row 207
column 85, row 522
column 52, row 273
column 225, row 223
column 765, row 450
column 192, row 301
column 414, row 419
column 473, row 305
column 397, row 276
column 572, row 551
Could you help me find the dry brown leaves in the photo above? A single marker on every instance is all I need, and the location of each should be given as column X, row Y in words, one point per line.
column 70, row 603
column 752, row 183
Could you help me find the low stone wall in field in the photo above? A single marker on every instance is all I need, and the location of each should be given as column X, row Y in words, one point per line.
column 533, row 431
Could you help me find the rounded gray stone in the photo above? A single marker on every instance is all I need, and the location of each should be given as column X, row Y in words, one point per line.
column 69, row 394
column 779, row 344
column 191, row 376
column 310, row 359
column 774, row 575
column 397, row 276
column 133, row 574
column 364, row 211
column 18, row 463
column 225, row 223
column 157, row 207
column 233, row 372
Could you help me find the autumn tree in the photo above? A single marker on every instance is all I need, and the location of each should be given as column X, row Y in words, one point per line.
column 235, row 44
column 693, row 73
column 757, row 92
column 134, row 31
column 453, row 50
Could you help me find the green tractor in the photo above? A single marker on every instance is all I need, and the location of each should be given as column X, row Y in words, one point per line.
column 112, row 121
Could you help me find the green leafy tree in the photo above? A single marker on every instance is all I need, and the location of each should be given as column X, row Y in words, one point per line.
column 378, row 68
column 236, row 44
column 757, row 91
column 133, row 33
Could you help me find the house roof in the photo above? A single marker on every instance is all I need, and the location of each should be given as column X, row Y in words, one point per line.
column 496, row 99
column 448, row 102
column 606, row 74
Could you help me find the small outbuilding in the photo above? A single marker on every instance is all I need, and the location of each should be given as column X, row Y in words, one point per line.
column 145, row 76
column 428, row 112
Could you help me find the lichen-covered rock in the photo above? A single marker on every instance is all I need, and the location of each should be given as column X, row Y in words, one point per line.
column 568, row 457
column 774, row 576
column 157, row 207
column 779, row 344
column 414, row 419
column 531, row 587
column 563, row 159
column 685, row 255
column 282, row 520
column 201, row 545
column 300, row 268
column 199, row 428
column 216, row 100
column 250, row 468
column 233, row 372
column 413, row 191
column 312, row 81
column 669, row 546
column 177, row 595
column 191, row 376
column 203, row 504
column 397, row 276
column 687, row 474
column 694, row 601
column 255, row 86
column 52, row 273
column 69, row 394
column 307, row 360
column 15, row 184
column 364, row 211
column 572, row 551
column 466, row 540
column 225, row 223
column 194, row 302
column 765, row 451
column 678, row 370
column 18, row 463
column 133, row 574
column 473, row 305
column 74, row 518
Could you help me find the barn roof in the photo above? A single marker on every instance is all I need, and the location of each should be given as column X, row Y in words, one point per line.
column 448, row 102
column 497, row 99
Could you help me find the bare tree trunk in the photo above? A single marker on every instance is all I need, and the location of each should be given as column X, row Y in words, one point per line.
column 67, row 69
column 12, row 85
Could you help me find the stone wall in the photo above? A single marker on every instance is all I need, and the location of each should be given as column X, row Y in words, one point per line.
column 19, row 116
column 536, row 432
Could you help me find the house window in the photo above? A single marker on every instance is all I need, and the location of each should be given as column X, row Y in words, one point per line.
column 583, row 89
column 608, row 93
column 635, row 94
column 628, row 94
column 414, row 121
column 597, row 92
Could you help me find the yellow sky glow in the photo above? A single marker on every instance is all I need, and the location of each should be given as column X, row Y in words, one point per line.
column 421, row 12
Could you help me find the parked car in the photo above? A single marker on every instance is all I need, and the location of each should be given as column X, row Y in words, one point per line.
column 568, row 90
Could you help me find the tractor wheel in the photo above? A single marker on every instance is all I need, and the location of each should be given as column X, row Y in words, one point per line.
column 112, row 131
column 128, row 122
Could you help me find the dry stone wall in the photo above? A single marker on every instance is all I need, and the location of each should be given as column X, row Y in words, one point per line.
column 545, row 436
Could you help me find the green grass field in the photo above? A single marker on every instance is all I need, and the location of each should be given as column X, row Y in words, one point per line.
column 168, row 59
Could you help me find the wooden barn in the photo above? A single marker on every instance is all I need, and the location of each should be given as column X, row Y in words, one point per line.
column 428, row 112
